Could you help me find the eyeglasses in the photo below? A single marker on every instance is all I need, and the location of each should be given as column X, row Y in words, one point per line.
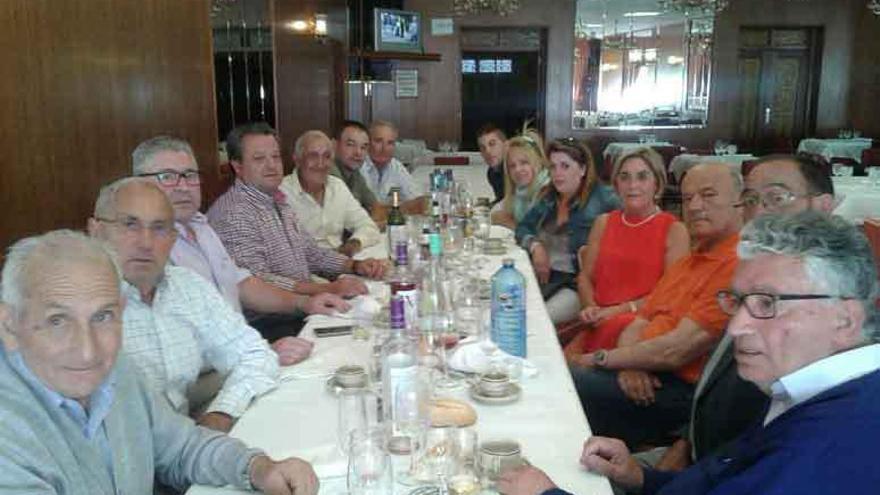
column 133, row 227
column 772, row 200
column 760, row 305
column 170, row 178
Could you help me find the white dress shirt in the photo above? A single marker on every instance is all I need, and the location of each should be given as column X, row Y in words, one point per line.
column 188, row 327
column 394, row 174
column 825, row 374
column 205, row 254
column 339, row 211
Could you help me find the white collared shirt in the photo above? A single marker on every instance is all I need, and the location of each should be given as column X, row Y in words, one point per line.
column 187, row 327
column 825, row 374
column 340, row 211
column 206, row 255
column 394, row 174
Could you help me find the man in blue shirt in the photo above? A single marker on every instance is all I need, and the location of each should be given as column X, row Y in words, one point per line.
column 805, row 329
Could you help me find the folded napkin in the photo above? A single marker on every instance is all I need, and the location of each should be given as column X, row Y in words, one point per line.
column 475, row 356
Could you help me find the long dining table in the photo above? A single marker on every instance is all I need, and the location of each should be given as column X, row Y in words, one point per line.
column 299, row 417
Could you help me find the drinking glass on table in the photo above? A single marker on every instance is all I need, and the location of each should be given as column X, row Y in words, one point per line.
column 439, row 457
column 370, row 470
column 357, row 412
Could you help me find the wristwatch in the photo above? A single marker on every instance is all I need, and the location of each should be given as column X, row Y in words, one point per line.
column 600, row 358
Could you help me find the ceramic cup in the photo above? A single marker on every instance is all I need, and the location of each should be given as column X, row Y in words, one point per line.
column 494, row 384
column 351, row 376
column 497, row 456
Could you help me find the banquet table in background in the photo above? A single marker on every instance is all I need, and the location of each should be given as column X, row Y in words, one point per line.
column 830, row 148
column 684, row 162
column 299, row 417
column 859, row 198
column 451, row 158
column 472, row 175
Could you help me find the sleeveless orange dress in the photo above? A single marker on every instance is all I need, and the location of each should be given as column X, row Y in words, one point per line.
column 631, row 260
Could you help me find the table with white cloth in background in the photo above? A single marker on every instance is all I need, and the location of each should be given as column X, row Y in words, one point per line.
column 858, row 197
column 684, row 162
column 830, row 148
column 614, row 150
column 299, row 417
column 472, row 175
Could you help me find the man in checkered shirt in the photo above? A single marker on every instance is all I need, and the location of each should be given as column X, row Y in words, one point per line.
column 260, row 231
column 175, row 322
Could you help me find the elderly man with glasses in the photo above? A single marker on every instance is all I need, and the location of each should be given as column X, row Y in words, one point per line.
column 77, row 417
column 277, row 313
column 805, row 329
column 176, row 323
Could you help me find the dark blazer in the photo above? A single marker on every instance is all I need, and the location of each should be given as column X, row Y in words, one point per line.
column 724, row 405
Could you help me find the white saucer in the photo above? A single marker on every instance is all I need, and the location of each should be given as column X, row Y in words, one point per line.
column 514, row 391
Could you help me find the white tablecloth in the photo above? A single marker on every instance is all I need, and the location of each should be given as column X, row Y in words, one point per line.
column 829, row 148
column 682, row 163
column 859, row 198
column 473, row 175
column 613, row 150
column 299, row 418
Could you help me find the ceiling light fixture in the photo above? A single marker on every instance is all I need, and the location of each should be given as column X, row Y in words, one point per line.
column 689, row 7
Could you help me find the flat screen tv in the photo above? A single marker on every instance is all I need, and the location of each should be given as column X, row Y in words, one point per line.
column 397, row 31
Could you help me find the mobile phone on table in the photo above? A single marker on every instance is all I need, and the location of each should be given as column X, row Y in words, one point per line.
column 333, row 331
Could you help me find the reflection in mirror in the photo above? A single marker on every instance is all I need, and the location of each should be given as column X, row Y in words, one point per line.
column 638, row 66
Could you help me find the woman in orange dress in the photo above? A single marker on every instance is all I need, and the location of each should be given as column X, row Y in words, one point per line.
column 626, row 253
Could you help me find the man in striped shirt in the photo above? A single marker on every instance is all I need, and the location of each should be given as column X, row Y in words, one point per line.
column 261, row 232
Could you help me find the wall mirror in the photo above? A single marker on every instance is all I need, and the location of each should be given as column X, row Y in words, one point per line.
column 637, row 65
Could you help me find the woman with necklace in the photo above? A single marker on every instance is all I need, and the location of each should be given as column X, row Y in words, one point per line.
column 557, row 225
column 626, row 253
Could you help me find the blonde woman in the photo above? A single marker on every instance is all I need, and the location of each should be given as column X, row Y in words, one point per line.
column 626, row 253
column 525, row 173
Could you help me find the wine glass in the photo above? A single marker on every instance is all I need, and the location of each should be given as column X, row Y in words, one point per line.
column 440, row 455
column 357, row 412
column 369, row 465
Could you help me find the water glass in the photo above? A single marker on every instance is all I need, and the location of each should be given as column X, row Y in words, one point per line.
column 370, row 470
column 358, row 412
column 439, row 457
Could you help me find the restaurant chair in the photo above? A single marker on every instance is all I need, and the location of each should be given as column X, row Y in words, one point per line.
column 858, row 169
column 871, row 157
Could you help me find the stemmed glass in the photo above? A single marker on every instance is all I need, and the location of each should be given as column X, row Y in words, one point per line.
column 440, row 456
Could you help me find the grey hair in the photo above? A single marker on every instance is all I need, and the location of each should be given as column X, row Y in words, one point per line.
column 383, row 123
column 145, row 151
column 105, row 205
column 299, row 146
column 835, row 254
column 59, row 246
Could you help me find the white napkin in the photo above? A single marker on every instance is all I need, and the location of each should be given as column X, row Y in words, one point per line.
column 473, row 356
column 327, row 461
column 363, row 309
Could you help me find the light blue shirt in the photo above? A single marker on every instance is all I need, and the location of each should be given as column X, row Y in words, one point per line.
column 91, row 421
column 393, row 174
column 825, row 374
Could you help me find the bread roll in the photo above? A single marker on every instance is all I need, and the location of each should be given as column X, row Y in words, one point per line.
column 446, row 412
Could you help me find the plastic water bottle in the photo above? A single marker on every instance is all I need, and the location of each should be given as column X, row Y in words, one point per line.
column 509, row 310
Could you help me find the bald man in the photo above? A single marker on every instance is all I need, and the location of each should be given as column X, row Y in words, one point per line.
column 323, row 204
column 176, row 322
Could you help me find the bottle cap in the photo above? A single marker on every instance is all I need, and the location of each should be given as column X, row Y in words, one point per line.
column 507, row 262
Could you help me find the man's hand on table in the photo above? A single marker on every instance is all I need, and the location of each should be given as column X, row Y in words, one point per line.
column 639, row 386
column 291, row 476
column 350, row 247
column 325, row 303
column 524, row 480
column 609, row 457
column 348, row 287
column 216, row 421
column 292, row 350
column 371, row 268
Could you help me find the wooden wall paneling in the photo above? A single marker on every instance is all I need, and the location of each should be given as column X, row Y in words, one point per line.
column 309, row 73
column 865, row 93
column 83, row 83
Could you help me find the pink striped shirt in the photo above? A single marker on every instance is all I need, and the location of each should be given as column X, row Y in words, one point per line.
column 262, row 235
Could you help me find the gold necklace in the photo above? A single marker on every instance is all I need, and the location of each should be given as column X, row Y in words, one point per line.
column 643, row 222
